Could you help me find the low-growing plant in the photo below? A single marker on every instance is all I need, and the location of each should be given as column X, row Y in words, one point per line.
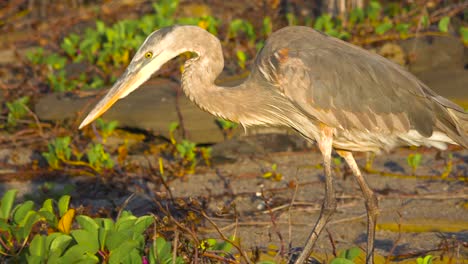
column 448, row 166
column 184, row 155
column 227, row 127
column 414, row 160
column 106, row 129
column 241, row 59
column 98, row 158
column 222, row 248
column 238, row 26
column 347, row 256
column 53, row 234
column 17, row 110
column 161, row 252
column 61, row 152
column 16, row 225
column 273, row 173
column 424, row 260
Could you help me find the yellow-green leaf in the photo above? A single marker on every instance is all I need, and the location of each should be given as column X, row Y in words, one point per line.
column 65, row 223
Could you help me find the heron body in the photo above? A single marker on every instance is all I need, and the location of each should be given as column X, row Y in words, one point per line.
column 329, row 91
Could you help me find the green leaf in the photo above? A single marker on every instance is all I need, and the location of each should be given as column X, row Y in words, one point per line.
column 403, row 28
column 63, row 203
column 87, row 223
column 142, row 223
column 38, row 246
column 48, row 206
column 103, row 233
column 121, row 253
column 20, row 212
column 115, row 239
column 357, row 15
column 163, row 248
column 78, row 254
column 267, row 26
column 464, row 34
column 60, row 243
column 444, row 23
column 89, row 240
column 5, row 226
column 7, row 203
column 426, row 260
column 108, row 224
column 384, row 27
column 30, row 219
column 373, row 10
column 341, row 261
column 49, row 217
column 414, row 160
column 425, row 21
column 125, row 224
column 351, row 253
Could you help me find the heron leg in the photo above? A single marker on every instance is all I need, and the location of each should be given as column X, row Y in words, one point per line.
column 329, row 203
column 370, row 200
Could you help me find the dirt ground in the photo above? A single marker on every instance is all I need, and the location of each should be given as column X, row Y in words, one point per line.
column 418, row 214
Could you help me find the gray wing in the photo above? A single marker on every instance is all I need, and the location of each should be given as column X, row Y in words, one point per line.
column 347, row 87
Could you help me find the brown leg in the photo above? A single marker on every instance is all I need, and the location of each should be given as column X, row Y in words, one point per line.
column 370, row 200
column 329, row 203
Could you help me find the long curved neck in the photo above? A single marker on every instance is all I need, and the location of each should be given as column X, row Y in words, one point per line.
column 251, row 103
column 198, row 80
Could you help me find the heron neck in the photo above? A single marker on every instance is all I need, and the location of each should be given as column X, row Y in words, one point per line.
column 251, row 103
column 198, row 83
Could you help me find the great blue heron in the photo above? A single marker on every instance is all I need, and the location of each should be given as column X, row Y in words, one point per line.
column 330, row 91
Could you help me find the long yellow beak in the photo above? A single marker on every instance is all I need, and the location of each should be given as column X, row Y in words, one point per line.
column 127, row 83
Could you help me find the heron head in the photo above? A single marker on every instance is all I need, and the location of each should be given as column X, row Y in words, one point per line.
column 158, row 48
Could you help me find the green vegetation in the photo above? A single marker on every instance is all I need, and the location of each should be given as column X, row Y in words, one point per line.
column 227, row 127
column 62, row 152
column 58, row 241
column 107, row 49
column 347, row 257
column 106, row 129
column 183, row 156
column 54, row 234
column 17, row 110
column 17, row 224
column 273, row 173
column 161, row 252
column 414, row 160
column 424, row 260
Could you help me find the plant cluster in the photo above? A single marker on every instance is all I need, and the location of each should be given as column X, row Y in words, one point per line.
column 181, row 157
column 105, row 50
column 347, row 256
column 376, row 23
column 17, row 110
column 61, row 152
column 53, row 234
column 227, row 127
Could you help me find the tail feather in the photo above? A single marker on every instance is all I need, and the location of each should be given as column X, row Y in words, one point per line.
column 460, row 120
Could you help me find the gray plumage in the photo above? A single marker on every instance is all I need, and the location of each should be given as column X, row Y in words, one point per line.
column 328, row 90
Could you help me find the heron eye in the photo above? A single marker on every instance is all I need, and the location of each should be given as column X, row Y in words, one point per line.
column 149, row 55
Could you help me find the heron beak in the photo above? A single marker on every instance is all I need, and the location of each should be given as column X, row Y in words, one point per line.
column 128, row 82
column 135, row 75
